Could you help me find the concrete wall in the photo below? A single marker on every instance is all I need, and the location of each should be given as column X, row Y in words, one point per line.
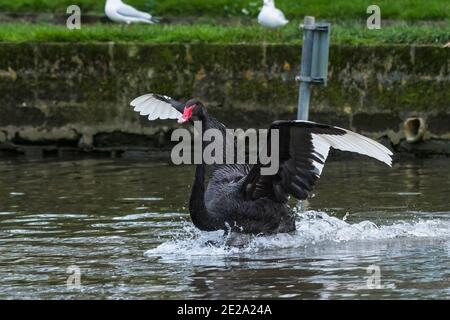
column 76, row 96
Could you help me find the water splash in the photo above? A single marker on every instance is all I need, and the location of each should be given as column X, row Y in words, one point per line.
column 313, row 227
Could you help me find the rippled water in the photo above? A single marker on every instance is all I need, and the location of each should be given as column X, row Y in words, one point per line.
column 124, row 224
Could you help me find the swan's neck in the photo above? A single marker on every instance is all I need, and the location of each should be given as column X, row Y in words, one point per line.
column 200, row 216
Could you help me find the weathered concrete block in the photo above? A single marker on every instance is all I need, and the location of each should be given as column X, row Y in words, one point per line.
column 424, row 148
column 379, row 122
column 439, row 124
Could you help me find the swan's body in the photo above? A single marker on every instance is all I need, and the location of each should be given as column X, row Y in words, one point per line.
column 221, row 204
column 120, row 12
column 238, row 197
column 270, row 16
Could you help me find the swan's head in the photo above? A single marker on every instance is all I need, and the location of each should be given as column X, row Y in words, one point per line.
column 193, row 109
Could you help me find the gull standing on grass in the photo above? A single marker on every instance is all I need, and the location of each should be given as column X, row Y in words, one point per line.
column 270, row 16
column 118, row 11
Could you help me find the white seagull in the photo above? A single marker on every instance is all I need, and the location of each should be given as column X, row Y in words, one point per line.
column 270, row 16
column 118, row 11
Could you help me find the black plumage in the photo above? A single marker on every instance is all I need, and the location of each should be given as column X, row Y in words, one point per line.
column 238, row 197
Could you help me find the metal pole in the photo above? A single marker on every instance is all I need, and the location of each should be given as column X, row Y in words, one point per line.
column 305, row 71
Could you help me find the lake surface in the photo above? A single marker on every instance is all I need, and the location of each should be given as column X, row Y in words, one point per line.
column 370, row 232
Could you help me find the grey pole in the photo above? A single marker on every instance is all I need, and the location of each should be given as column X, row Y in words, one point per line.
column 305, row 72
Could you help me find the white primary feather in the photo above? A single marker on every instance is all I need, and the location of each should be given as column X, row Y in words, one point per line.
column 148, row 105
column 118, row 11
column 350, row 141
column 138, row 102
column 321, row 147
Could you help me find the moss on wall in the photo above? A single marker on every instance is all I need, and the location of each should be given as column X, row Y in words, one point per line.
column 58, row 89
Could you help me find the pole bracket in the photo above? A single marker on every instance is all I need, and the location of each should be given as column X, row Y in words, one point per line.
column 319, row 26
column 301, row 78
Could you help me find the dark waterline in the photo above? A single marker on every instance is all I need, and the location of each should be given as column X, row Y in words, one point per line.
column 125, row 225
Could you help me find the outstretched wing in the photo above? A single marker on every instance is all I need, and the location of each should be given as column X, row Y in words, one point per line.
column 129, row 11
column 157, row 106
column 303, row 149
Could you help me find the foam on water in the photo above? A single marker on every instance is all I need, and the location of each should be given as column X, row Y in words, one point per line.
column 313, row 227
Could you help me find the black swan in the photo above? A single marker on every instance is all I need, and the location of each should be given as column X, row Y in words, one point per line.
column 238, row 197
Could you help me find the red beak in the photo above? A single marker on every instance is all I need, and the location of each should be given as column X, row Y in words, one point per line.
column 187, row 114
